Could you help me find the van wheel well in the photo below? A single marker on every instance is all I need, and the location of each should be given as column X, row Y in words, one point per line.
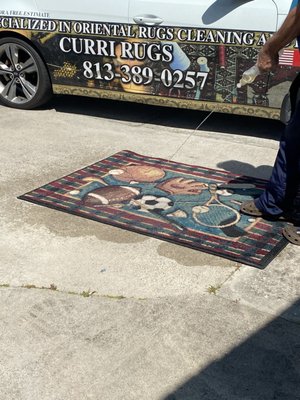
column 24, row 79
column 10, row 34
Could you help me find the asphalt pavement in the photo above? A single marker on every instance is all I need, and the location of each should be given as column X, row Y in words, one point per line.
column 93, row 312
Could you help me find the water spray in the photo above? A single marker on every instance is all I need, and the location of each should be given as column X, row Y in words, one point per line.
column 248, row 77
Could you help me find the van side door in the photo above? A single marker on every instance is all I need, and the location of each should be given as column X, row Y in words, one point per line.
column 81, row 53
column 86, row 10
column 213, row 43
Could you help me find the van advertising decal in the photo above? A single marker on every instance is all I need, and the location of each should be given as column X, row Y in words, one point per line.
column 168, row 62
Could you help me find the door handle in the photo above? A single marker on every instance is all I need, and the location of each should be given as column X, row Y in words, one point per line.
column 147, row 20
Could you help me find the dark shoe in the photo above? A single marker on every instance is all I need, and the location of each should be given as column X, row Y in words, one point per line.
column 292, row 234
column 249, row 208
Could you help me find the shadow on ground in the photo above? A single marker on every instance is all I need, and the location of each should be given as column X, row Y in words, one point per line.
column 264, row 367
column 241, row 168
column 165, row 116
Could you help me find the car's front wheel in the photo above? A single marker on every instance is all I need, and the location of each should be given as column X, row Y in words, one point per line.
column 24, row 79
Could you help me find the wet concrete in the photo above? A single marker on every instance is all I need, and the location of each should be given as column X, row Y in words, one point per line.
column 115, row 315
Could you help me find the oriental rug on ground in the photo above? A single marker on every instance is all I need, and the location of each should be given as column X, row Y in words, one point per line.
column 185, row 204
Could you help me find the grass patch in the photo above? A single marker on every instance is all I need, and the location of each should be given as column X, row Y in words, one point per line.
column 108, row 296
column 213, row 289
column 28, row 286
column 87, row 293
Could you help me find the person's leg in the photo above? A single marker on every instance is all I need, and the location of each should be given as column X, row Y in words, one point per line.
column 292, row 195
column 271, row 200
column 280, row 196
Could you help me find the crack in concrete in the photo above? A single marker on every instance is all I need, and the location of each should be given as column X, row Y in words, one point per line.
column 213, row 289
column 84, row 293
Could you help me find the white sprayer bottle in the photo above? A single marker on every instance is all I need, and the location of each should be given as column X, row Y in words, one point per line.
column 248, row 76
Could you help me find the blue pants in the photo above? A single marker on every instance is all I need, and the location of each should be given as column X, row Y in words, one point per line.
column 282, row 193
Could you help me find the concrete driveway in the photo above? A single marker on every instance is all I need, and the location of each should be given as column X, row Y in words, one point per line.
column 90, row 311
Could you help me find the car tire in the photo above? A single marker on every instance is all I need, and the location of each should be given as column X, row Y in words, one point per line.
column 24, row 78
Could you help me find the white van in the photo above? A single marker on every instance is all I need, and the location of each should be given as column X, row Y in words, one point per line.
column 187, row 54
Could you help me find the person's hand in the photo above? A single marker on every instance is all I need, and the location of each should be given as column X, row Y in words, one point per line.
column 267, row 60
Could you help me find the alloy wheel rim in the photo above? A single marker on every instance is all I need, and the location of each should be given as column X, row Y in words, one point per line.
column 19, row 77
